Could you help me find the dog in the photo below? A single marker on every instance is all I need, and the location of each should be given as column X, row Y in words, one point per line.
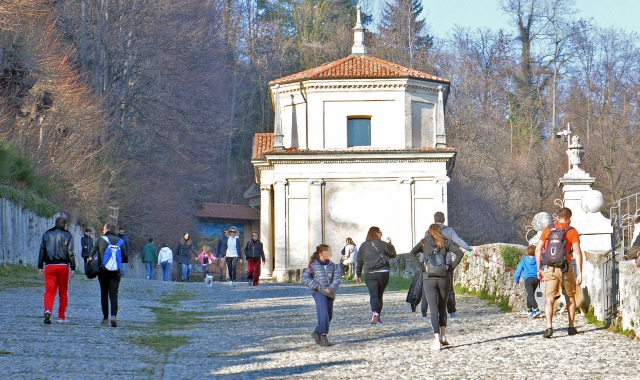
column 209, row 280
column 579, row 296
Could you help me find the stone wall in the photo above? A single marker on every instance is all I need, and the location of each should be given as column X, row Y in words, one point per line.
column 21, row 233
column 630, row 296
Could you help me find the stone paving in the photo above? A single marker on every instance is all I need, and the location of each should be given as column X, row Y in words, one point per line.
column 263, row 333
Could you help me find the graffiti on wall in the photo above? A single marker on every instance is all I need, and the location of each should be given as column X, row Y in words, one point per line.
column 208, row 233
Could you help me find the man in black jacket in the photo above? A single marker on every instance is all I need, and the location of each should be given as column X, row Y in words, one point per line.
column 254, row 252
column 87, row 245
column 109, row 280
column 56, row 256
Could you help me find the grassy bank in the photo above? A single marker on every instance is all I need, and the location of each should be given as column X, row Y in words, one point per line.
column 19, row 276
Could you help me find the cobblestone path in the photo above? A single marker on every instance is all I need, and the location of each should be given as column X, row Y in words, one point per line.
column 263, row 332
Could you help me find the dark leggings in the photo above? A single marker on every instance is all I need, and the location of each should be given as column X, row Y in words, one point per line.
column 376, row 282
column 530, row 285
column 232, row 264
column 109, row 284
column 437, row 292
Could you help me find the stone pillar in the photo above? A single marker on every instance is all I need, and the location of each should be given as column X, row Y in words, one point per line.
column 595, row 230
column 405, row 239
column 316, row 227
column 280, row 229
column 266, row 232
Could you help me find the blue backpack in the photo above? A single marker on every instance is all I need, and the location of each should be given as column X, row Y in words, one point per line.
column 112, row 260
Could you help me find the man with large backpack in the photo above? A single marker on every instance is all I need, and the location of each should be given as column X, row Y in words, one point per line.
column 112, row 255
column 558, row 244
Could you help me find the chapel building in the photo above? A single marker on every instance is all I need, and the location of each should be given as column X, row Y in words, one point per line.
column 358, row 142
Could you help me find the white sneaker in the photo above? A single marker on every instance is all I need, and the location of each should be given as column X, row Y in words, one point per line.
column 436, row 346
column 60, row 320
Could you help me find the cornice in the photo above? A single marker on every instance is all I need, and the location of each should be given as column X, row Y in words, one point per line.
column 334, row 87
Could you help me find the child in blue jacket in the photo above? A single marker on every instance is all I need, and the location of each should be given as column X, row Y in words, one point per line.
column 323, row 277
column 531, row 282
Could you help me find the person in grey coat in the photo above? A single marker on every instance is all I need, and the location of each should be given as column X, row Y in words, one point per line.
column 323, row 277
column 451, row 235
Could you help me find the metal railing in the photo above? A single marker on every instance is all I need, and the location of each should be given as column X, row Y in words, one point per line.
column 622, row 216
column 610, row 282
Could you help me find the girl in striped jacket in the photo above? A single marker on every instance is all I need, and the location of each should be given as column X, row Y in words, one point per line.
column 323, row 277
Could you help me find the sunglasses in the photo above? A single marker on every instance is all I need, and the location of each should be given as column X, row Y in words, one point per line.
column 233, row 232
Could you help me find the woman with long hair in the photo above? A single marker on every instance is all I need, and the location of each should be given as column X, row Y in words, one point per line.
column 436, row 285
column 323, row 277
column 349, row 257
column 185, row 251
column 232, row 251
column 373, row 260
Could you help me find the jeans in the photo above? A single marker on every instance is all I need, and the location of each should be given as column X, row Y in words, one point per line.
column 122, row 268
column 109, row 285
column 232, row 265
column 166, row 270
column 324, row 312
column 186, row 271
column 149, row 269
column 376, row 283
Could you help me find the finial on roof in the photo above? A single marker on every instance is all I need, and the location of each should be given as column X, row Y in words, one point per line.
column 278, row 135
column 358, row 47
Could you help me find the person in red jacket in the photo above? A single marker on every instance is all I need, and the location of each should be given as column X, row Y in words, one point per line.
column 56, row 256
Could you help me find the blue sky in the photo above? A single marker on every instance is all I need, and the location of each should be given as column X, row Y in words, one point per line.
column 444, row 14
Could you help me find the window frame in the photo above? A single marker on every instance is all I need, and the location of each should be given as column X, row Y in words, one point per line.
column 358, row 117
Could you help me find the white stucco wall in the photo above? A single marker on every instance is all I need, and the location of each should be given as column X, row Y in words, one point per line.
column 402, row 112
column 326, row 202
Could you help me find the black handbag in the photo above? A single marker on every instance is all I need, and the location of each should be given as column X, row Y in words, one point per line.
column 92, row 266
column 383, row 260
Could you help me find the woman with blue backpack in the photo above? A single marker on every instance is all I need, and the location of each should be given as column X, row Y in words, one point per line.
column 433, row 255
column 109, row 245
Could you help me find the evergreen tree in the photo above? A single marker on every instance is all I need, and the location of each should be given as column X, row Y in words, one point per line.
column 402, row 36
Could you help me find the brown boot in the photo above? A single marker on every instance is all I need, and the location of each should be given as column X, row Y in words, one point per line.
column 324, row 341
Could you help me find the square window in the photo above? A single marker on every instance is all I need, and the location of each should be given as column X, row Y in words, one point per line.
column 358, row 132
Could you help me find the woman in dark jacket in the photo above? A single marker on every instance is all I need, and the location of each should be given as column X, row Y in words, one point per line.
column 373, row 260
column 184, row 252
column 109, row 280
column 254, row 252
column 436, row 289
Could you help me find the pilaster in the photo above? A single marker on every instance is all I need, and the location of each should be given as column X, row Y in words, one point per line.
column 266, row 232
column 280, row 229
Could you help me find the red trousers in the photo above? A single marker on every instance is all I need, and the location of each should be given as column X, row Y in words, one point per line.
column 56, row 278
column 253, row 270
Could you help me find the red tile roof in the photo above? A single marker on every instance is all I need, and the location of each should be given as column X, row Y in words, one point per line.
column 358, row 67
column 221, row 211
column 263, row 143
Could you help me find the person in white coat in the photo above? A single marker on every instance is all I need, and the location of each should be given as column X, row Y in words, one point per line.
column 349, row 257
column 165, row 258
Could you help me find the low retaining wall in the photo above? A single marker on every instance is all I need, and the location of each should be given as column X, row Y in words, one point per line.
column 21, row 234
column 630, row 296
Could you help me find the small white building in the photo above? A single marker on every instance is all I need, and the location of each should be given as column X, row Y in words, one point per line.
column 358, row 142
